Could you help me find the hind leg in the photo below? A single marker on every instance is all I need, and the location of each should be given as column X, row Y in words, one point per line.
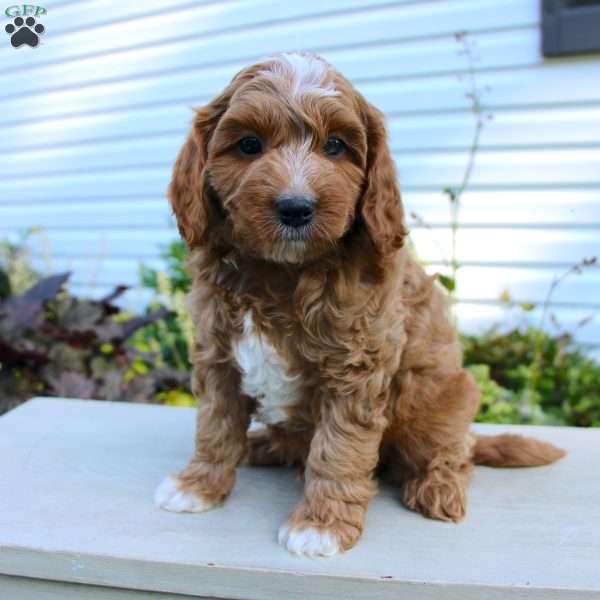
column 439, row 490
column 432, row 447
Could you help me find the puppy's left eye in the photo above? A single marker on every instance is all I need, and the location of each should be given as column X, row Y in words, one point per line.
column 334, row 147
column 250, row 145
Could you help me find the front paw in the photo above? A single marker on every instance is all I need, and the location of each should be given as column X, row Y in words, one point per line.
column 170, row 496
column 308, row 540
column 305, row 535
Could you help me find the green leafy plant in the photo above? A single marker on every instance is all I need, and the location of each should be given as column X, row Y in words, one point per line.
column 52, row 343
column 537, row 363
column 566, row 382
column 16, row 273
column 498, row 404
column 550, row 361
column 171, row 337
column 175, row 256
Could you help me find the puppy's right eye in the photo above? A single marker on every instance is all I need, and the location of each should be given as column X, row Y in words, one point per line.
column 250, row 146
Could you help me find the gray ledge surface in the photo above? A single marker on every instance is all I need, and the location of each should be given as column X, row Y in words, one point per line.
column 76, row 485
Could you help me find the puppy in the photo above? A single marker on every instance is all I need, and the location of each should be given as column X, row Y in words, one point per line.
column 312, row 316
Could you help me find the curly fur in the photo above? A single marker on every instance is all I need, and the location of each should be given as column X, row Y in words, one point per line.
column 363, row 331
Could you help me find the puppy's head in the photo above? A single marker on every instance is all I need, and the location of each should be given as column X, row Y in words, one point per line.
column 285, row 163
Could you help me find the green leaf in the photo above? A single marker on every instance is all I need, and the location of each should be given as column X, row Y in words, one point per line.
column 448, row 282
column 527, row 306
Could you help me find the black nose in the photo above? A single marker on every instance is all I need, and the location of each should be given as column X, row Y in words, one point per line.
column 295, row 211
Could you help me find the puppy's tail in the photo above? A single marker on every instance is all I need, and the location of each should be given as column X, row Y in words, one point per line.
column 508, row 450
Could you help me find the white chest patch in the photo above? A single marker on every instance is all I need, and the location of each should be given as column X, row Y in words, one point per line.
column 265, row 375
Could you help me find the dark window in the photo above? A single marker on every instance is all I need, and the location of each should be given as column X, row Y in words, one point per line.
column 570, row 27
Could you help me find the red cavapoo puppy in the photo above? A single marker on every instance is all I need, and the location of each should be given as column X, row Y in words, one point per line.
column 312, row 316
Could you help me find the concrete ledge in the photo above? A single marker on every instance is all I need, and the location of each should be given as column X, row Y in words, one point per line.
column 76, row 512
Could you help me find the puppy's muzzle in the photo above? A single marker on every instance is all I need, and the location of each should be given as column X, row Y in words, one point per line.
column 295, row 211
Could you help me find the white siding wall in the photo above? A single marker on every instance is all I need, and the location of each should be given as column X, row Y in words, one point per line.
column 92, row 119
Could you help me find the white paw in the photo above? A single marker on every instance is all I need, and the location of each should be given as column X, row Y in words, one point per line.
column 169, row 497
column 308, row 542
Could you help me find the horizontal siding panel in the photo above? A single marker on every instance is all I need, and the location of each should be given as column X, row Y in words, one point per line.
column 494, row 210
column 506, row 89
column 575, row 167
column 485, row 282
column 484, row 245
column 441, row 168
column 478, row 246
column 298, row 25
column 92, row 14
column 206, row 20
column 150, row 182
column 496, row 49
column 92, row 123
column 533, row 87
column 534, row 129
column 506, row 245
column 516, row 207
column 139, row 171
column 131, row 214
column 142, row 182
column 60, row 132
column 197, row 57
column 103, row 244
column 528, row 285
column 98, row 271
column 79, row 159
column 475, row 317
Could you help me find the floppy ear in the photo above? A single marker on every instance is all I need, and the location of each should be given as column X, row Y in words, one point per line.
column 186, row 190
column 188, row 184
column 381, row 207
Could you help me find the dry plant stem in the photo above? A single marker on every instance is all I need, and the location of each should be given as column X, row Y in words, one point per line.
column 536, row 365
column 455, row 194
column 420, row 221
